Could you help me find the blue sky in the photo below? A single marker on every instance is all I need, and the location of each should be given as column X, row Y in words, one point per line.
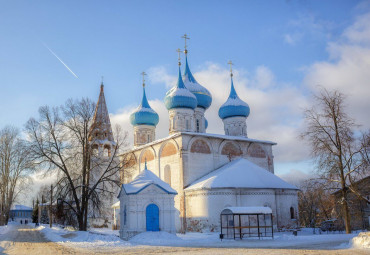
column 281, row 50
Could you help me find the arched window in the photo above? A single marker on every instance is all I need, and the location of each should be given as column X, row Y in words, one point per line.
column 167, row 174
column 198, row 126
column 292, row 213
column 187, row 125
column 148, row 138
column 106, row 152
column 95, row 151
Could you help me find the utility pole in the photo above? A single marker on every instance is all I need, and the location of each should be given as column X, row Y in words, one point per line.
column 50, row 207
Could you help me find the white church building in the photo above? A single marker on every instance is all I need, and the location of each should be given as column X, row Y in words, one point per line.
column 203, row 173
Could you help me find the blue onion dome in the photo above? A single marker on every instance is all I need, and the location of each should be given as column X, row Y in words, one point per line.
column 202, row 94
column 179, row 96
column 144, row 114
column 234, row 106
column 206, row 123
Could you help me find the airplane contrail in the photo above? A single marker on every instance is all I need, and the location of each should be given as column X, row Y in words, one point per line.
column 61, row 61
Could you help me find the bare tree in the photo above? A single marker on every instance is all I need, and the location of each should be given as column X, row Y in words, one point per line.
column 15, row 166
column 337, row 151
column 315, row 202
column 61, row 141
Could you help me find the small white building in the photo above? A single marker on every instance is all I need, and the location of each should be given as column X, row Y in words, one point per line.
column 146, row 204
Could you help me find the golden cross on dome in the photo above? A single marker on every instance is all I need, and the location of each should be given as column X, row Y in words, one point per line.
column 185, row 36
column 179, row 52
column 231, row 67
column 143, row 74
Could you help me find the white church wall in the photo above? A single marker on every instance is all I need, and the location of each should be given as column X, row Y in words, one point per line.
column 198, row 160
column 285, row 199
column 203, row 207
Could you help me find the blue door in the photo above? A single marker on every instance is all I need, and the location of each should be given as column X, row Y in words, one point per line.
column 152, row 218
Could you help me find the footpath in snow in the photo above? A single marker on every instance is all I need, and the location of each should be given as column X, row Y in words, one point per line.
column 109, row 238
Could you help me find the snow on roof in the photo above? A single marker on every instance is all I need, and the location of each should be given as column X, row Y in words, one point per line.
column 21, row 208
column 116, row 205
column 143, row 180
column 227, row 137
column 248, row 210
column 240, row 173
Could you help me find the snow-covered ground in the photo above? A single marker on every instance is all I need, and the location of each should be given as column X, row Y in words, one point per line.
column 361, row 241
column 5, row 229
column 109, row 238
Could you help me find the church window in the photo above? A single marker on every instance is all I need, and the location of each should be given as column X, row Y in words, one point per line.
column 197, row 125
column 292, row 213
column 106, row 152
column 167, row 174
column 148, row 138
column 187, row 125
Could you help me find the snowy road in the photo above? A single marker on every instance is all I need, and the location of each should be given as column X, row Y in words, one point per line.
column 21, row 239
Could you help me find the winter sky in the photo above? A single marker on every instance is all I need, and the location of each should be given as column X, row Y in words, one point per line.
column 282, row 50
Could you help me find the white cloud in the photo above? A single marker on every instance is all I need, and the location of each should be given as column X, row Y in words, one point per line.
column 347, row 69
column 295, row 177
column 292, row 38
column 307, row 27
column 359, row 31
column 159, row 75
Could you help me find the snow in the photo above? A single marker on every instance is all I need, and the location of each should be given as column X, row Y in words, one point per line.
column 109, row 238
column 176, row 91
column 235, row 102
column 116, row 204
column 5, row 229
column 361, row 241
column 82, row 239
column 240, row 173
column 249, row 209
column 156, row 238
column 140, row 108
column 195, row 86
column 144, row 179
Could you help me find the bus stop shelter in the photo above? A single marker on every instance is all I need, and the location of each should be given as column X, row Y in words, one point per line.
column 241, row 222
